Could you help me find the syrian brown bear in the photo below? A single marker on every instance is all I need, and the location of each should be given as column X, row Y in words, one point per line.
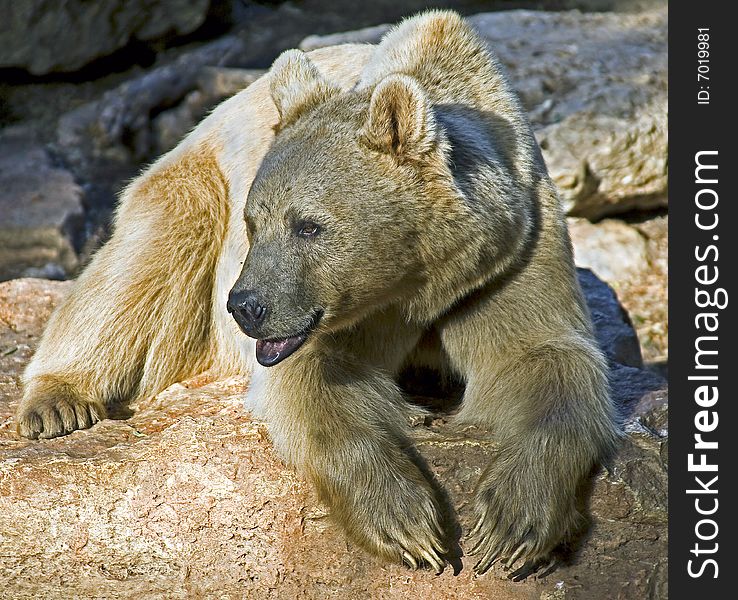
column 357, row 211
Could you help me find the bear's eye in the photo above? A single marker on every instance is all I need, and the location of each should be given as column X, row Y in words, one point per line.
column 306, row 229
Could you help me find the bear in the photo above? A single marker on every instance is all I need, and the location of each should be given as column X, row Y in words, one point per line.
column 358, row 211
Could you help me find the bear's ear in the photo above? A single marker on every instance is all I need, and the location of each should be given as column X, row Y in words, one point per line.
column 400, row 120
column 296, row 85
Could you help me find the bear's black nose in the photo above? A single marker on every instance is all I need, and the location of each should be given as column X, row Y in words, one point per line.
column 247, row 309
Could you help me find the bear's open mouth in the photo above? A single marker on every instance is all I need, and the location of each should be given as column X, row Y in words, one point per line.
column 274, row 351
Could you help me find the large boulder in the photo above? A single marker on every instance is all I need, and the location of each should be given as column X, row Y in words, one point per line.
column 181, row 496
column 41, row 208
column 43, row 36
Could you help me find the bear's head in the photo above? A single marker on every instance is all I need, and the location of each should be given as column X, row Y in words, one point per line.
column 337, row 216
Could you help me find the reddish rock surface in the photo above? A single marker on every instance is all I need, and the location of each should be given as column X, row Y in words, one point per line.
column 181, row 496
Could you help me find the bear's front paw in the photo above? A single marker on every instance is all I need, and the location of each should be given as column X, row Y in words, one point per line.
column 520, row 515
column 49, row 416
column 399, row 521
column 408, row 526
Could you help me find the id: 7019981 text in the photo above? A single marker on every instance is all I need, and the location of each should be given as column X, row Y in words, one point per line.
column 703, row 65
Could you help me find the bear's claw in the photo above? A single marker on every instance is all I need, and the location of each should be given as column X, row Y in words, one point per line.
column 412, row 535
column 53, row 418
column 511, row 525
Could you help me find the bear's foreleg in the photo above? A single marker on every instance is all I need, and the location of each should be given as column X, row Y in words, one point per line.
column 549, row 409
column 343, row 425
column 139, row 316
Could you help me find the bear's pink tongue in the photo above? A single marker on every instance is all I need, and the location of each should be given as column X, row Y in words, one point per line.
column 271, row 352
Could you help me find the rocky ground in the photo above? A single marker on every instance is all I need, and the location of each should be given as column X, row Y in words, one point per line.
column 182, row 497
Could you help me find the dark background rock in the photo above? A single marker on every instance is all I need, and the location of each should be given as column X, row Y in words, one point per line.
column 213, row 85
column 117, row 125
column 632, row 256
column 612, row 325
column 46, row 35
column 41, row 213
column 182, row 496
column 102, row 126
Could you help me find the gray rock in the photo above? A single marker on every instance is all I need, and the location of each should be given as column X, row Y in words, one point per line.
column 595, row 87
column 629, row 384
column 617, row 67
column 48, row 271
column 41, row 208
column 117, row 126
column 613, row 328
column 564, row 63
column 43, row 36
column 367, row 35
column 213, row 85
column 614, row 250
column 604, row 165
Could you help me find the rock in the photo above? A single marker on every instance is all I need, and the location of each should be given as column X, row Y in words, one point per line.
column 44, row 37
column 183, row 497
column 170, row 126
column 104, row 141
column 221, row 82
column 598, row 102
column 645, row 294
column 614, row 250
column 48, row 271
column 612, row 325
column 604, row 165
column 656, row 232
column 629, row 384
column 595, row 87
column 117, row 125
column 214, row 84
column 367, row 35
column 41, row 207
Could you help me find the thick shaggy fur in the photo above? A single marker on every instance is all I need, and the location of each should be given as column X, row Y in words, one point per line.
column 437, row 220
